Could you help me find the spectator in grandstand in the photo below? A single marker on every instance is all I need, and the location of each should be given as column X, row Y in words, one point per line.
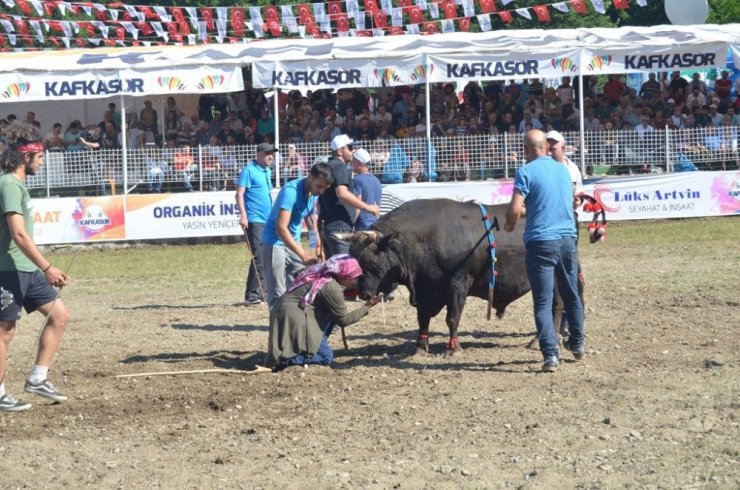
column 148, row 119
column 265, row 125
column 591, row 122
column 715, row 118
column 183, row 165
column 134, row 133
column 72, row 137
column 363, row 131
column 93, row 142
column 54, row 141
column 723, row 85
column 697, row 82
column 172, row 125
column 216, row 125
column 283, row 254
column 614, row 89
column 552, row 109
column 212, row 164
column 293, row 164
column 530, row 120
column 696, row 94
column 566, row 94
column 677, row 119
column 110, row 136
column 644, row 127
column 156, row 169
column 676, row 83
column 186, row 133
column 305, row 316
column 604, row 110
column 649, row 88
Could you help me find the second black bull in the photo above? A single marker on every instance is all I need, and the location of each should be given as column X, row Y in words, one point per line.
column 439, row 250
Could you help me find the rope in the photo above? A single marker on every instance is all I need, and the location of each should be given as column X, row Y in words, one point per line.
column 492, row 250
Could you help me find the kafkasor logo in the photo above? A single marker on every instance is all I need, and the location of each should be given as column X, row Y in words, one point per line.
column 94, row 218
column 564, row 64
column 597, row 62
column 16, row 90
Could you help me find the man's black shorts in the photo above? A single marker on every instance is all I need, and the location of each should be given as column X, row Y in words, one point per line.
column 29, row 290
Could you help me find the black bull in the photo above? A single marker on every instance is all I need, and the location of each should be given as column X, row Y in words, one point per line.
column 439, row 250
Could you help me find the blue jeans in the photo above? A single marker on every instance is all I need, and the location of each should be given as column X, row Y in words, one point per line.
column 323, row 356
column 546, row 262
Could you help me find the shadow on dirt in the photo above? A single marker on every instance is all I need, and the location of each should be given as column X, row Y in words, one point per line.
column 220, row 359
column 173, row 307
column 221, row 328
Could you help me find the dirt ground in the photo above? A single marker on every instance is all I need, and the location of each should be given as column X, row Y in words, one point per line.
column 654, row 405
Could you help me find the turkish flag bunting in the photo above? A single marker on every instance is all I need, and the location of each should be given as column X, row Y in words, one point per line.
column 237, row 21
column 431, row 27
column 395, row 31
column 304, row 13
column 579, row 6
column 416, row 16
column 207, row 16
column 177, row 13
column 342, row 23
column 543, row 15
column 464, row 24
column 274, row 27
column 505, row 16
column 184, row 26
column 621, row 4
column 487, row 6
column 335, row 9
column 371, row 5
column 358, row 33
column 450, row 10
column 380, row 20
column 145, row 28
column 404, row 3
column 271, row 13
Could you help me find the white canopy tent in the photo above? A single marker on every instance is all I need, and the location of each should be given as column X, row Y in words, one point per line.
column 379, row 61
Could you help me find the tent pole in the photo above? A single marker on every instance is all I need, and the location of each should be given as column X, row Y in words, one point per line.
column 124, row 145
column 582, row 135
column 428, row 111
column 276, row 118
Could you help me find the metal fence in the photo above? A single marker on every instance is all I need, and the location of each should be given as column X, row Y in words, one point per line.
column 451, row 158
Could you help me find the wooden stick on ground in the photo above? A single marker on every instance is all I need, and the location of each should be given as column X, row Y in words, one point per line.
column 256, row 370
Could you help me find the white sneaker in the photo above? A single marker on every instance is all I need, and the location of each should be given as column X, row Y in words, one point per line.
column 10, row 404
column 45, row 389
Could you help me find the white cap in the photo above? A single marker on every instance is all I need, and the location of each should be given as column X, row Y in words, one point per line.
column 340, row 141
column 556, row 136
column 362, row 156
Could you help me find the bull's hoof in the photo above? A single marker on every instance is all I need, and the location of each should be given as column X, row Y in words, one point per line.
column 422, row 345
column 453, row 347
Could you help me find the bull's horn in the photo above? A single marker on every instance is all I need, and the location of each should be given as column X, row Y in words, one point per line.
column 343, row 235
column 374, row 235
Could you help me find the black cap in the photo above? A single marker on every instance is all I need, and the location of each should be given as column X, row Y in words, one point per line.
column 266, row 147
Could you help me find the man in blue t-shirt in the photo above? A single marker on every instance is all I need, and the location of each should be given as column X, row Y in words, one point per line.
column 254, row 202
column 367, row 187
column 542, row 191
column 284, row 256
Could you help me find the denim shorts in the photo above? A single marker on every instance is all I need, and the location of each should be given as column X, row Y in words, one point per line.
column 29, row 290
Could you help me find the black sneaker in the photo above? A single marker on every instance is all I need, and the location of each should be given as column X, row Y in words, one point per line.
column 550, row 365
column 10, row 404
column 45, row 389
column 578, row 353
column 252, row 301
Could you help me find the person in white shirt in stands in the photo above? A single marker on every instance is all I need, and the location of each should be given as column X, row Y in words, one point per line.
column 644, row 126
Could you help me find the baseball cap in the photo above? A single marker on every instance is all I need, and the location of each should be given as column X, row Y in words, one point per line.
column 670, row 101
column 340, row 141
column 362, row 156
column 555, row 136
column 266, row 147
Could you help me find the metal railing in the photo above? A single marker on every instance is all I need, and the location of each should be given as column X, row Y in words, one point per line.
column 450, row 158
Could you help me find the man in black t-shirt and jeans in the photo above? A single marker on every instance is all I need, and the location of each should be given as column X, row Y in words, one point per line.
column 338, row 206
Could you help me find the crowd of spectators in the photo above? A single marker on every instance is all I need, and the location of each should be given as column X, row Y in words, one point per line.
column 224, row 121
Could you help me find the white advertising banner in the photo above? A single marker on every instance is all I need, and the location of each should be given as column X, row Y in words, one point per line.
column 346, row 73
column 185, row 215
column 61, row 85
column 677, row 57
column 503, row 66
column 181, row 215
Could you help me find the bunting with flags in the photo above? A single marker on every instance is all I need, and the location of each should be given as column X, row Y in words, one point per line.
column 27, row 24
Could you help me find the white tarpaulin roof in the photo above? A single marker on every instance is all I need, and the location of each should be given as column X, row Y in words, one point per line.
column 284, row 50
